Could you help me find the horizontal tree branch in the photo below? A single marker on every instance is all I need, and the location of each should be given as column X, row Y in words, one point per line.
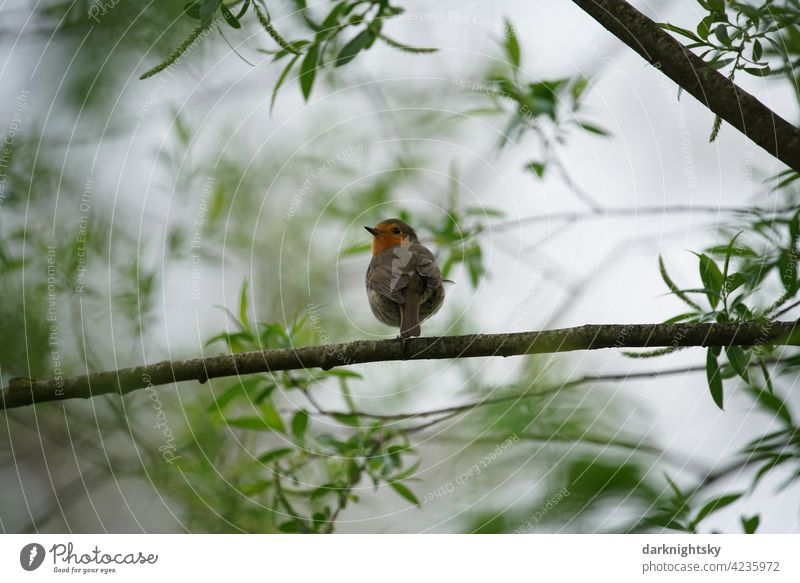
column 720, row 94
column 588, row 337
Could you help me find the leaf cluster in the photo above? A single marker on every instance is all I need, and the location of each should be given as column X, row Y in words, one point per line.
column 308, row 475
column 548, row 109
column 761, row 39
column 349, row 28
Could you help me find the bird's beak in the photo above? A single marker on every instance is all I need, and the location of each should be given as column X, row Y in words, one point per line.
column 372, row 231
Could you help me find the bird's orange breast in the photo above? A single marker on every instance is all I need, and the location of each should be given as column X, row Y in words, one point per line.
column 385, row 241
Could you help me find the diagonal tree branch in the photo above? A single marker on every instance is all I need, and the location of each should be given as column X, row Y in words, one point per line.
column 721, row 95
column 588, row 337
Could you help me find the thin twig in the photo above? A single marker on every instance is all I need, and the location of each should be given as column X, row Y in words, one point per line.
column 605, row 212
column 452, row 411
column 344, row 494
column 787, row 308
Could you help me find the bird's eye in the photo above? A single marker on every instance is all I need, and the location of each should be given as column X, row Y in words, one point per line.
column 396, row 230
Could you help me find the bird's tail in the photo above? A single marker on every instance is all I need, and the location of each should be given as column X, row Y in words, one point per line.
column 409, row 311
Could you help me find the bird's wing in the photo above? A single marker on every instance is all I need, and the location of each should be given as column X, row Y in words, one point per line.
column 427, row 266
column 389, row 273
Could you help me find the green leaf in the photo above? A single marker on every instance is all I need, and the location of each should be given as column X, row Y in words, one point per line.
column 351, row 420
column 681, row 318
column 269, row 421
column 405, row 492
column 293, row 527
column 679, row 495
column 739, row 359
column 475, row 265
column 681, row 31
column 233, row 318
column 786, row 178
column 757, row 50
column 245, row 6
column 717, row 504
column 794, row 230
column 300, row 424
column 272, row 417
column 741, row 308
column 721, row 33
column 325, row 489
column 733, row 281
column 333, row 18
column 735, row 251
column 752, row 12
column 395, row 453
column 207, row 10
column 331, row 442
column 537, row 168
column 273, row 335
column 774, row 462
column 593, row 129
column 727, row 265
column 712, row 279
column 243, row 306
column 578, row 87
column 193, row 10
column 408, row 472
column 229, row 17
column 254, row 488
column 750, row 525
column 264, row 393
column 226, row 397
column 252, row 423
column 274, row 454
column 344, row 373
column 237, row 341
column 674, row 288
column 279, row 83
column 308, row 70
column 704, row 27
column 352, row 48
column 758, row 71
column 772, row 403
column 512, row 45
column 717, row 64
column 714, row 377
column 299, row 323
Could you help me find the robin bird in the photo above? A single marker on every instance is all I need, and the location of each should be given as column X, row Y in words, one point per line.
column 404, row 282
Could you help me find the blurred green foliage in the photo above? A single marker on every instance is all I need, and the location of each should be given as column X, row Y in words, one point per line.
column 292, row 451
